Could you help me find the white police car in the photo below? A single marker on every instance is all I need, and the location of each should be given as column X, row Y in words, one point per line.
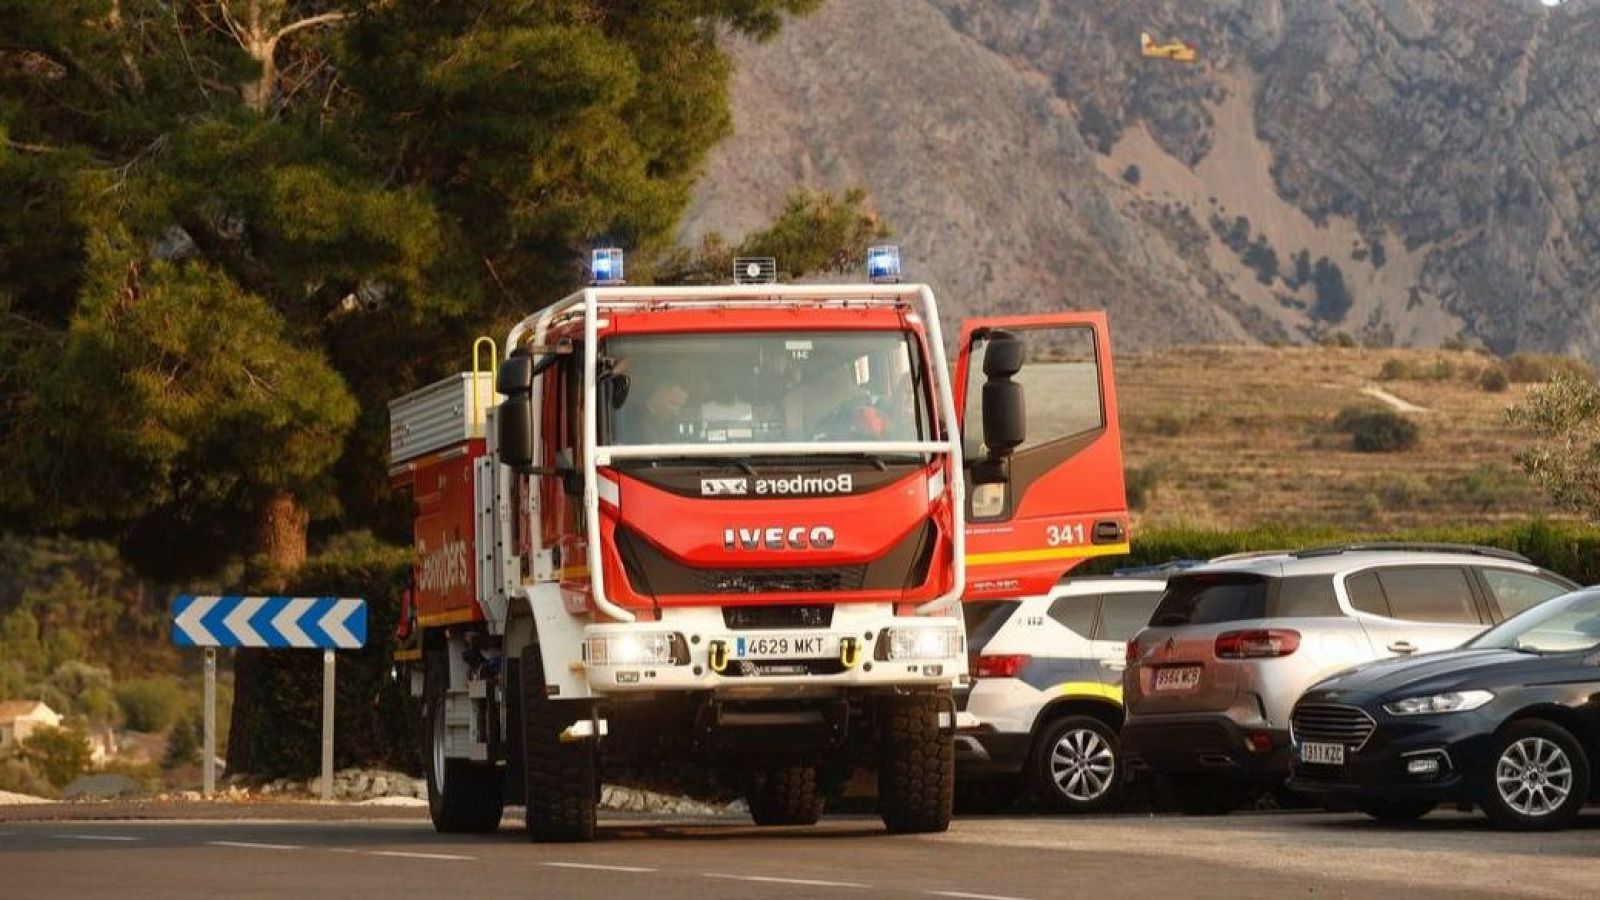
column 1047, row 693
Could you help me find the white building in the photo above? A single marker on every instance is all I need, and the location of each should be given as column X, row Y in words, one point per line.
column 20, row 718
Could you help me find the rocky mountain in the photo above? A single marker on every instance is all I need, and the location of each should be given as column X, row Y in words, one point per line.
column 1405, row 171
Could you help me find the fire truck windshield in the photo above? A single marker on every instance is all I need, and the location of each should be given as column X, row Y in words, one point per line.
column 762, row 387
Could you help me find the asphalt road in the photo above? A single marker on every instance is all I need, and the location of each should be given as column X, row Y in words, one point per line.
column 1009, row 858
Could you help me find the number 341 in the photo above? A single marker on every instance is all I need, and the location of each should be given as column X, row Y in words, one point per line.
column 1057, row 535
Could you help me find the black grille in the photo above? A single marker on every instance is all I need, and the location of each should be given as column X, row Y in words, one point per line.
column 777, row 581
column 1332, row 723
column 776, row 617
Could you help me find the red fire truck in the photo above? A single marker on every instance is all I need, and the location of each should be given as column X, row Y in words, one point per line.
column 729, row 529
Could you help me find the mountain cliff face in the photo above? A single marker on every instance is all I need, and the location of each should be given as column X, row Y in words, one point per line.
column 1405, row 171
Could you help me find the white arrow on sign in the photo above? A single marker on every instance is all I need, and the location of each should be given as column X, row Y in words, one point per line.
column 238, row 622
column 286, row 622
column 334, row 623
column 188, row 621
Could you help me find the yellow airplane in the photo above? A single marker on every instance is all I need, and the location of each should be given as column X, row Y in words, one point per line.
column 1177, row 51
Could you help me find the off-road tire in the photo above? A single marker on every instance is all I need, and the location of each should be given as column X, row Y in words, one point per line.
column 1501, row 813
column 560, row 777
column 472, row 796
column 786, row 795
column 917, row 772
column 1093, row 735
column 1396, row 812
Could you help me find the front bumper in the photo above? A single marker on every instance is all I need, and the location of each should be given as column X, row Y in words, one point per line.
column 1209, row 743
column 853, row 654
column 1378, row 768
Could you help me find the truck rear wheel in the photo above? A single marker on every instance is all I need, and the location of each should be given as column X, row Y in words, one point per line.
column 560, row 777
column 917, row 773
column 786, row 795
column 464, row 797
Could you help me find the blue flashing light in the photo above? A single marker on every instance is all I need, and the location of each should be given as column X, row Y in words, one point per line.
column 883, row 264
column 606, row 268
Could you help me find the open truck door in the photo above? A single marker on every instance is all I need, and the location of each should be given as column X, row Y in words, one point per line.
column 1044, row 471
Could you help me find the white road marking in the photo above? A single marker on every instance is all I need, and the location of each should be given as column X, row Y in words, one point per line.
column 966, row 896
column 94, row 837
column 403, row 854
column 250, row 845
column 769, row 879
column 596, row 866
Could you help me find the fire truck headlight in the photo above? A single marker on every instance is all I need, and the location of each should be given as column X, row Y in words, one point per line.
column 644, row 648
column 937, row 642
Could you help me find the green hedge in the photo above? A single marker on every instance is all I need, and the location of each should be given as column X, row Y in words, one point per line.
column 277, row 718
column 1568, row 548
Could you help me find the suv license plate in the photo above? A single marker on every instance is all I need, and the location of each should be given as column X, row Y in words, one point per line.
column 1177, row 678
column 1322, row 754
column 787, row 646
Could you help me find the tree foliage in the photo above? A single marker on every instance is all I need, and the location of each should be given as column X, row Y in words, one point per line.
column 243, row 225
column 59, row 754
column 1564, row 417
column 816, row 232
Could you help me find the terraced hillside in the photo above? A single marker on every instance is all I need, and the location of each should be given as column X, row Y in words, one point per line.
column 1240, row 436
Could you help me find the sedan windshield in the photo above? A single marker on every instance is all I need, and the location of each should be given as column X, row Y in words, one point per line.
column 1563, row 624
column 762, row 387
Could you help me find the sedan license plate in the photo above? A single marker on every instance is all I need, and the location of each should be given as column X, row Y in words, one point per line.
column 1177, row 678
column 786, row 646
column 1322, row 754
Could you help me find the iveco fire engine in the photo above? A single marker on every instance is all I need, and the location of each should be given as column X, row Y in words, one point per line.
column 729, row 529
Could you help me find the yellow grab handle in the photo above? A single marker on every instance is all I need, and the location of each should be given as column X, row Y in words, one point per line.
column 718, row 658
column 494, row 374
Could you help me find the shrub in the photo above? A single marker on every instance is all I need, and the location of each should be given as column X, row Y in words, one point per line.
column 1529, row 368
column 1494, row 380
column 1142, row 482
column 59, row 754
column 1131, row 174
column 1374, row 430
column 184, row 742
column 149, row 704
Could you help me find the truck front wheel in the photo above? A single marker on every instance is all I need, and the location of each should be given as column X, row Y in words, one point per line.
column 917, row 773
column 786, row 795
column 561, row 777
column 464, row 797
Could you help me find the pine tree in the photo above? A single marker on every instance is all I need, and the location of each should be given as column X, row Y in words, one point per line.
column 242, row 226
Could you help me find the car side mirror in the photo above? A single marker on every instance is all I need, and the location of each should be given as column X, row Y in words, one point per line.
column 514, row 420
column 1005, row 416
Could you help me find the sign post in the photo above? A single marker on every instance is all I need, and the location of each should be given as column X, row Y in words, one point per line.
column 208, row 783
column 327, row 726
column 325, row 623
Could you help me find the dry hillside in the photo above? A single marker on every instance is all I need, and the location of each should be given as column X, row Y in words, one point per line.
column 1233, row 437
column 1406, row 171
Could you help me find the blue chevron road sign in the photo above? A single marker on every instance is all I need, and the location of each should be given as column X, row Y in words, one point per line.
column 328, row 623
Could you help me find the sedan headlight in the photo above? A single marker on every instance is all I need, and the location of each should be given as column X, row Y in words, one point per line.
column 645, row 648
column 1454, row 701
column 937, row 642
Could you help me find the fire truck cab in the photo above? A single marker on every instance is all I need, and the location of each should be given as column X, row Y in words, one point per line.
column 688, row 530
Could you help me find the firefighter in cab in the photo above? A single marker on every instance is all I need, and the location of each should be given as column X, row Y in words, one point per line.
column 1177, row 51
